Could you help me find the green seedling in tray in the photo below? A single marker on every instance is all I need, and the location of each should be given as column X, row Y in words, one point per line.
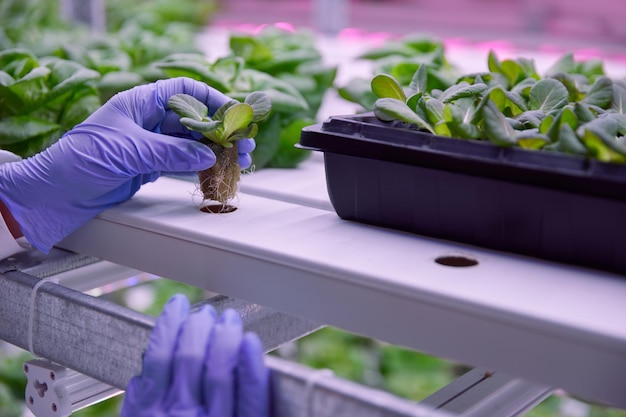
column 574, row 108
column 231, row 122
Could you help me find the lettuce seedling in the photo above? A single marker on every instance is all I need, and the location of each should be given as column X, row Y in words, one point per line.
column 574, row 108
column 231, row 122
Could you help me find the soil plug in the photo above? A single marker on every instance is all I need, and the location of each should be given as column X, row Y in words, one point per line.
column 231, row 122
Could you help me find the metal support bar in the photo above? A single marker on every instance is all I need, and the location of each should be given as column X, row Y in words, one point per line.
column 39, row 265
column 302, row 391
column 105, row 341
column 480, row 393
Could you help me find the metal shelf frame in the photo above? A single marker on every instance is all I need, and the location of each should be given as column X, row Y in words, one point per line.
column 102, row 345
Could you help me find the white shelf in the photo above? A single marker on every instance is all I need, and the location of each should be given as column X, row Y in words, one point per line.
column 551, row 323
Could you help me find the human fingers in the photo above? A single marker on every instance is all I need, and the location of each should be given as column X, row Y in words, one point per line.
column 158, row 358
column 244, row 148
column 219, row 378
column 253, row 379
column 133, row 151
column 189, row 357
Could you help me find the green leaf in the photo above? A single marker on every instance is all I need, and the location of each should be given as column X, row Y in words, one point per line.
column 113, row 82
column 26, row 94
column 192, row 69
column 528, row 69
column 10, row 56
column 286, row 103
column 359, row 91
column 591, row 68
column 434, row 110
column 531, row 139
column 260, row 103
column 82, row 103
column 565, row 116
column 219, row 113
column 601, row 145
column 565, row 64
column 419, row 82
column 22, row 128
column 385, row 86
column 391, row 48
column 462, row 90
column 548, row 95
column 6, row 79
column 583, row 113
column 512, row 70
column 493, row 63
column 569, row 142
column 249, row 48
column 547, row 123
column 413, row 101
column 523, row 87
column 600, row 94
column 199, row 125
column 78, row 78
column 394, row 109
column 287, row 155
column 620, row 120
column 26, row 135
column 249, row 131
column 188, row 107
column 509, row 103
column 287, row 61
column 496, row 126
column 600, row 137
column 531, row 118
column 570, row 83
column 618, row 102
column 267, row 140
column 236, row 118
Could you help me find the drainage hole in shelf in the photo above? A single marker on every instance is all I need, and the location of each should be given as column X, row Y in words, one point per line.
column 456, row 261
column 218, row 208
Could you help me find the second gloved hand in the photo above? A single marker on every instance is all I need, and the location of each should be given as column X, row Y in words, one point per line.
column 131, row 140
column 199, row 365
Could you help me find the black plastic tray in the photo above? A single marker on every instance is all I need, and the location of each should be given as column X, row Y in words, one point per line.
column 537, row 203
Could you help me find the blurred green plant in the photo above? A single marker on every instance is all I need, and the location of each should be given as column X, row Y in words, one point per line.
column 401, row 58
column 152, row 14
column 40, row 99
column 404, row 372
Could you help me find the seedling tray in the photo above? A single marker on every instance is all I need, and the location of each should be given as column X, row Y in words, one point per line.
column 538, row 203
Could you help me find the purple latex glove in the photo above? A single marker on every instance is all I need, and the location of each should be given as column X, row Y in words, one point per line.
column 199, row 365
column 131, row 140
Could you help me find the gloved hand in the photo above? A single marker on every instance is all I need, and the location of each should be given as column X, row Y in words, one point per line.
column 131, row 140
column 198, row 365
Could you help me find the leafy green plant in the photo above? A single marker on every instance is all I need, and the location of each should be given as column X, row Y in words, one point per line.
column 40, row 99
column 230, row 76
column 290, row 55
column 401, row 58
column 231, row 122
column 574, row 108
column 153, row 14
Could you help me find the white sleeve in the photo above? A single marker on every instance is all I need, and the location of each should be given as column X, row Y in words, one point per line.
column 8, row 245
